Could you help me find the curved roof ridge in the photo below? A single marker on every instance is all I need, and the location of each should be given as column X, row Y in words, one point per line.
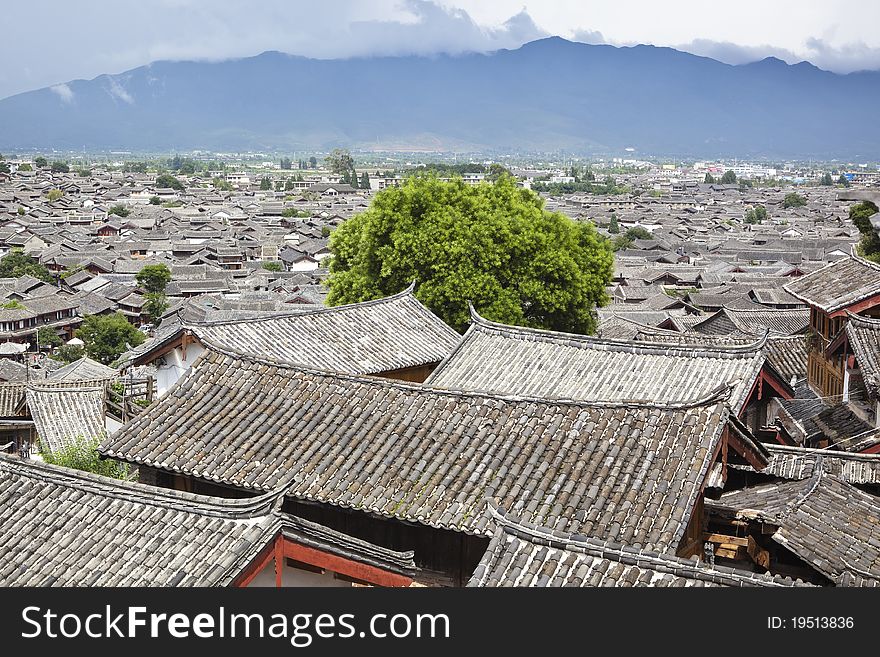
column 862, row 320
column 645, row 346
column 131, row 491
column 719, row 394
column 406, row 292
column 635, row 556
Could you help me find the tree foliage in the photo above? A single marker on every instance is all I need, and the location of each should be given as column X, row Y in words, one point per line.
column 82, row 454
column 869, row 244
column 631, row 235
column 154, row 278
column 729, row 178
column 155, row 200
column 16, row 264
column 106, row 336
column 493, row 244
column 68, row 353
column 60, row 167
column 119, row 210
column 826, row 180
column 843, row 180
column 272, row 266
column 167, row 181
column 756, row 215
column 614, row 225
column 340, row 161
column 40, row 162
column 54, row 194
column 793, row 200
column 47, row 337
column 709, row 179
column 155, row 305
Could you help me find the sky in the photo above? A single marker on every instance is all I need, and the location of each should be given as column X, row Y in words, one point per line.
column 48, row 42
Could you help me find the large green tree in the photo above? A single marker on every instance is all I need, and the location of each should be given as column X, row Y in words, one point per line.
column 729, row 178
column 16, row 264
column 493, row 244
column 106, row 336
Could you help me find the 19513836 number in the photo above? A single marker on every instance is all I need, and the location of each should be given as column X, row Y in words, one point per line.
column 811, row 623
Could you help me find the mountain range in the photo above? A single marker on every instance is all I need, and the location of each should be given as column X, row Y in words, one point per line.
column 547, row 95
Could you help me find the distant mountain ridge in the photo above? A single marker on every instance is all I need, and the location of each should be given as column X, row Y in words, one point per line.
column 549, row 94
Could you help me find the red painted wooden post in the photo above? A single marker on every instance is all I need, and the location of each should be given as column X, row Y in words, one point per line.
column 279, row 559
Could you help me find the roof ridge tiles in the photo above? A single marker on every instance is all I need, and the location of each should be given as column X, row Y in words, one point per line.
column 640, row 347
column 631, row 555
column 407, row 292
column 244, row 508
column 717, row 395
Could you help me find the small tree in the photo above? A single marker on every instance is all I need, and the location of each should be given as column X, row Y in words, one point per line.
column 60, row 167
column 82, row 454
column 154, row 278
column 869, row 245
column 21, row 211
column 709, row 179
column 793, row 200
column 155, row 305
column 155, row 200
column 613, row 225
column 325, row 231
column 826, row 180
column 265, row 184
column 729, row 178
column 272, row 266
column 25, row 167
column 313, row 162
column 47, row 337
column 119, row 210
column 340, row 161
column 756, row 215
column 365, row 180
column 107, row 337
column 843, row 180
column 68, row 353
column 166, row 180
column 40, row 162
column 54, row 194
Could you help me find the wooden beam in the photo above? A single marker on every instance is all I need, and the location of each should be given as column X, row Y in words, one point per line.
column 279, row 559
column 343, row 566
column 724, row 538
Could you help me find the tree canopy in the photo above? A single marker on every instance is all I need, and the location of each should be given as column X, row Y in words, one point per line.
column 729, row 178
column 106, row 336
column 154, row 278
column 756, row 215
column 119, row 210
column 869, row 245
column 493, row 244
column 82, row 454
column 340, row 161
column 166, row 180
column 16, row 264
column 793, row 200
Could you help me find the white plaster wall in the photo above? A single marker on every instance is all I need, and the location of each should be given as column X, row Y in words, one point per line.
column 291, row 577
column 174, row 367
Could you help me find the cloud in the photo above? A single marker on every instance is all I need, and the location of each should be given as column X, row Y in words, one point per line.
column 64, row 92
column 845, row 58
column 593, row 37
column 118, row 91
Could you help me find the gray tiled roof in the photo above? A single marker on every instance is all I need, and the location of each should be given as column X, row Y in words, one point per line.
column 507, row 359
column 61, row 527
column 84, row 368
column 838, row 285
column 623, row 471
column 522, row 555
column 361, row 338
column 63, row 414
column 827, row 522
column 863, row 335
column 798, row 463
